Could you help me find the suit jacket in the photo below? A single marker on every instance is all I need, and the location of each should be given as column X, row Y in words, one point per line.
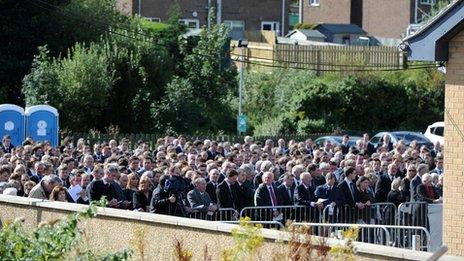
column 199, row 201
column 160, row 203
column 245, row 193
column 227, row 197
column 421, row 194
column 211, row 190
column 97, row 189
column 257, row 180
column 263, row 197
column 346, row 192
column 286, row 195
column 139, row 200
column 211, row 155
column 332, row 195
column 382, row 187
column 415, row 182
column 305, row 195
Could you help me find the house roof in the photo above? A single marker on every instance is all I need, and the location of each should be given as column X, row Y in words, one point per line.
column 312, row 33
column 307, row 33
column 431, row 41
column 341, row 28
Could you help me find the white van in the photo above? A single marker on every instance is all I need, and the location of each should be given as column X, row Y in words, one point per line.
column 435, row 132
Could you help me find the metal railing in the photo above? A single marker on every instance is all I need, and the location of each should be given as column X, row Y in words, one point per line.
column 222, row 214
column 413, row 214
column 376, row 213
column 282, row 213
column 265, row 224
column 408, row 237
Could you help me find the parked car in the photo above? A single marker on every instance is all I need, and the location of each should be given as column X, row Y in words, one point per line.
column 406, row 136
column 435, row 132
column 336, row 140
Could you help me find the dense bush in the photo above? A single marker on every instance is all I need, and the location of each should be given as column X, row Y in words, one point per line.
column 141, row 78
column 286, row 101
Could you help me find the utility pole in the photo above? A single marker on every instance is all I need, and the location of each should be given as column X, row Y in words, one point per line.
column 300, row 12
column 241, row 119
column 240, row 88
column 209, row 15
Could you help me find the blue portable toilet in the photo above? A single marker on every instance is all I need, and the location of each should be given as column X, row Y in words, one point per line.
column 12, row 123
column 42, row 123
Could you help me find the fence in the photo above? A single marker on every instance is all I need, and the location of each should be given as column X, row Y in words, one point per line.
column 92, row 138
column 378, row 213
column 321, row 58
column 409, row 237
column 222, row 214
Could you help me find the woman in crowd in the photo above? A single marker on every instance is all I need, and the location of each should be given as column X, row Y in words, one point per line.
column 58, row 194
column 28, row 187
column 142, row 197
column 131, row 187
column 396, row 195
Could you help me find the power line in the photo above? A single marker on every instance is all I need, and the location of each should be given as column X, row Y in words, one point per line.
column 335, row 70
column 71, row 15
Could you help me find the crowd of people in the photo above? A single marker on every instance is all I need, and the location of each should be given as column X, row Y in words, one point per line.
column 180, row 177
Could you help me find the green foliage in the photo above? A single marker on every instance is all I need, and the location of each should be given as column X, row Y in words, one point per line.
column 26, row 25
column 78, row 85
column 141, row 78
column 289, row 101
column 248, row 239
column 55, row 240
column 347, row 251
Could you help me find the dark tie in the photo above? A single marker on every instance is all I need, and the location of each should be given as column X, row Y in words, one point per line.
column 273, row 197
column 352, row 189
column 290, row 194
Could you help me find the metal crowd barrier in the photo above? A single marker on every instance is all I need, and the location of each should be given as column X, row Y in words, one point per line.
column 408, row 237
column 282, row 213
column 222, row 214
column 265, row 224
column 376, row 213
column 413, row 214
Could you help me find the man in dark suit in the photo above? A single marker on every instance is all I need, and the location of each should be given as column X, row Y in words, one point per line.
column 99, row 188
column 331, row 195
column 348, row 212
column 329, row 191
column 200, row 201
column 286, row 191
column 286, row 196
column 306, row 197
column 226, row 191
column 265, row 195
column 7, row 147
column 212, row 151
column 244, row 190
column 212, row 184
column 383, row 185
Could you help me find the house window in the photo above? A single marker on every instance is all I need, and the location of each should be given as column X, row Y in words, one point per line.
column 190, row 23
column 314, row 2
column 270, row 26
column 153, row 19
column 235, row 25
column 427, row 2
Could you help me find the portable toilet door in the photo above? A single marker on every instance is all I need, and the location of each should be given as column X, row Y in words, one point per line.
column 12, row 123
column 42, row 123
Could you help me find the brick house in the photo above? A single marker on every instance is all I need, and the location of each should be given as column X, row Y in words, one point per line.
column 239, row 15
column 442, row 40
column 387, row 19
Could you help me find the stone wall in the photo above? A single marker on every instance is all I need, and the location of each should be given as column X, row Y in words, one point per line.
column 114, row 230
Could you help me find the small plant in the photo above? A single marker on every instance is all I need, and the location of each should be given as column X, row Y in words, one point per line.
column 248, row 240
column 180, row 252
column 53, row 240
column 347, row 251
column 139, row 242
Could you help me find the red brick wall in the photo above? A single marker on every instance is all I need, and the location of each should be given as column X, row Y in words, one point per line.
column 329, row 11
column 387, row 18
column 250, row 11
